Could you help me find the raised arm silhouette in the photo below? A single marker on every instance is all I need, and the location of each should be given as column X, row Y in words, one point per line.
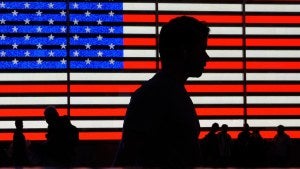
column 161, row 128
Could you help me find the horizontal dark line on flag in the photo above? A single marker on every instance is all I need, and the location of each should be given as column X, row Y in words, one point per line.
column 272, row 71
column 202, row 1
column 248, row 13
column 270, row 25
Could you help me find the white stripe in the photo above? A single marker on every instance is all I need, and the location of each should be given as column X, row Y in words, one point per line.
column 57, row 100
column 273, row 30
column 217, row 99
column 139, row 53
column 110, row 76
column 222, row 30
column 139, row 6
column 105, row 100
column 199, row 7
column 219, row 77
column 273, row 53
column 272, row 8
column 27, row 124
column 124, row 100
column 33, row 77
column 225, row 53
column 273, row 122
column 139, row 30
column 226, row 30
column 98, row 123
column 147, row 76
column 273, row 99
column 230, row 123
column 273, row 76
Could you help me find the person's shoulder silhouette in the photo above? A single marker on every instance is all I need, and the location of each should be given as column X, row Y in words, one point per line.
column 161, row 127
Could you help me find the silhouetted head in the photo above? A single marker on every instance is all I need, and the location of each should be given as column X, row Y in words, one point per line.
column 246, row 127
column 19, row 124
column 182, row 46
column 280, row 129
column 51, row 115
column 215, row 127
column 224, row 128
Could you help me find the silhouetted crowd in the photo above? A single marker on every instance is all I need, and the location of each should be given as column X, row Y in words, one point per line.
column 248, row 150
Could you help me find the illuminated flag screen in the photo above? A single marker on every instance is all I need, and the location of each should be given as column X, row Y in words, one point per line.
column 87, row 57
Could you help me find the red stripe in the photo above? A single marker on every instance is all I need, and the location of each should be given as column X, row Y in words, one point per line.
column 217, row 88
column 27, row 112
column 97, row 112
column 25, row 88
column 109, row 88
column 140, row 65
column 139, row 18
column 233, row 111
column 273, row 19
column 276, row 111
column 226, row 42
column 273, row 65
column 273, row 88
column 288, row 42
column 139, row 42
column 224, row 65
column 233, row 134
column 229, row 19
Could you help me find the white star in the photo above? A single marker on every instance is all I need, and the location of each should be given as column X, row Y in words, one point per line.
column 3, row 53
column 111, row 30
column 99, row 5
column 100, row 54
column 27, row 21
column 75, row 21
column 76, row 37
column 27, row 37
column 2, row 37
column 87, row 30
column 99, row 22
column 75, row 5
column 76, row 53
column 99, row 37
column 26, row 5
column 63, row 13
column 51, row 21
column 39, row 61
column 111, row 13
column 88, row 61
column 111, row 61
column 39, row 13
column 2, row 5
column 51, row 53
column 39, row 46
column 88, row 46
column 27, row 53
column 15, row 29
column 63, row 46
column 39, row 29
column 2, row 21
column 63, row 29
column 15, row 46
column 50, row 5
column 111, row 46
column 51, row 37
column 15, row 13
column 15, row 61
column 87, row 13
column 63, row 61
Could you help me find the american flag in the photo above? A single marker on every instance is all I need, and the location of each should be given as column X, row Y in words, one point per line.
column 87, row 57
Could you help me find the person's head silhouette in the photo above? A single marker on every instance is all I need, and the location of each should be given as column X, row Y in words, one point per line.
column 51, row 115
column 182, row 47
column 19, row 124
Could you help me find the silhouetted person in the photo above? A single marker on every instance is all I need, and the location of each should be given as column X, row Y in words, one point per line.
column 211, row 146
column 281, row 147
column 243, row 153
column 61, row 136
column 257, row 149
column 19, row 153
column 225, row 146
column 161, row 128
